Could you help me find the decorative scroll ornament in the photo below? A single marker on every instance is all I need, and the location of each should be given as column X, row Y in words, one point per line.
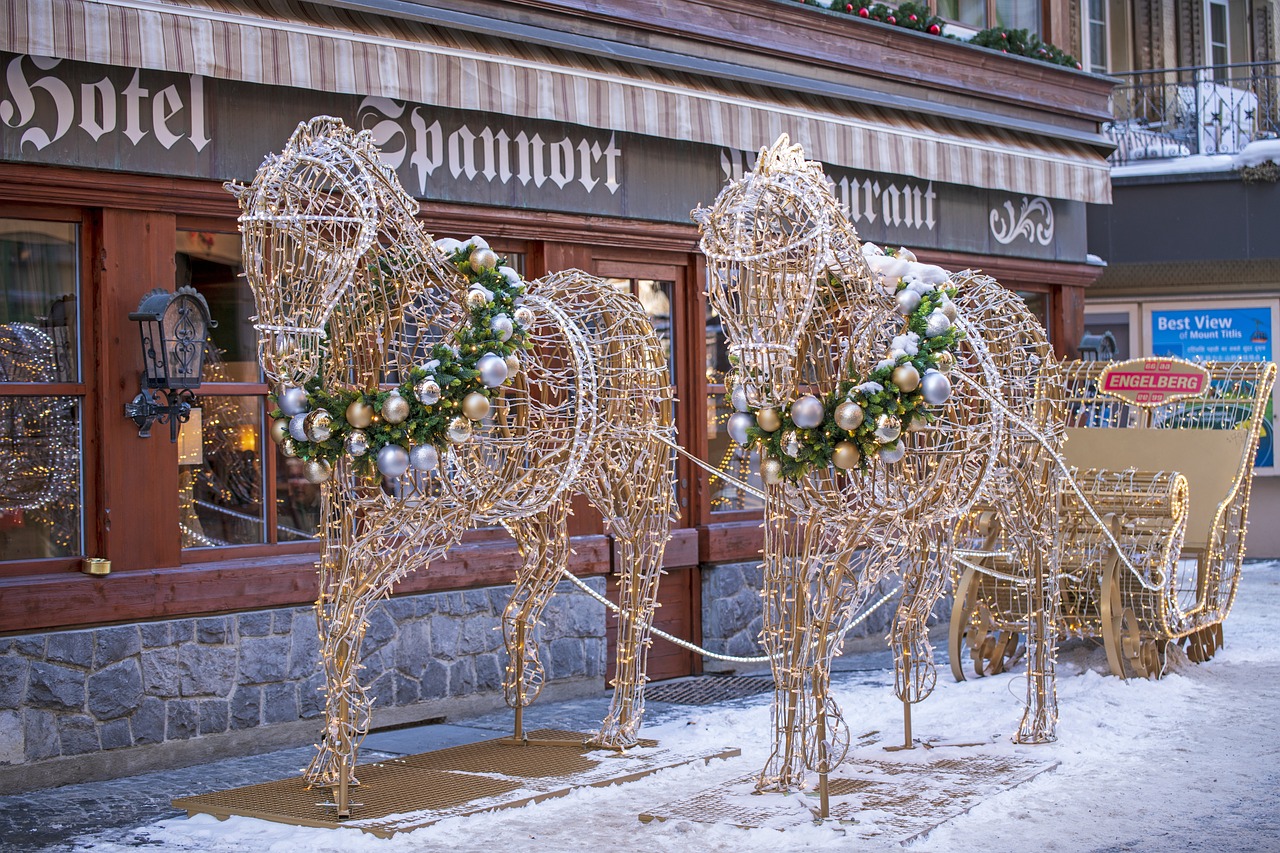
column 1024, row 224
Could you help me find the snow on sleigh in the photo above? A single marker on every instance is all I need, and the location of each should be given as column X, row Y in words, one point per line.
column 1151, row 524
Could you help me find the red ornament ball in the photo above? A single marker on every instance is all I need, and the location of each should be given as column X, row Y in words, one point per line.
column 891, row 19
column 912, row 19
column 848, row 7
column 863, row 13
column 934, row 29
column 1004, row 36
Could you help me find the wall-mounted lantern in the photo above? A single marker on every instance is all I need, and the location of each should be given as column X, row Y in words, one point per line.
column 173, row 328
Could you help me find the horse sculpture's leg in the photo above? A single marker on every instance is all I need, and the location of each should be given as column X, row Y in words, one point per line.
column 915, row 672
column 544, row 545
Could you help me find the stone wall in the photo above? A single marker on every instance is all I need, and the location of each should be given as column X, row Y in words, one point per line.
column 732, row 617
column 71, row 694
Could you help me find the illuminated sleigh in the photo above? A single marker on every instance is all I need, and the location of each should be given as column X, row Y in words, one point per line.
column 1152, row 536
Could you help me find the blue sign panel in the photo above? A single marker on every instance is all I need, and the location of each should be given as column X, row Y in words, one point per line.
column 1220, row 334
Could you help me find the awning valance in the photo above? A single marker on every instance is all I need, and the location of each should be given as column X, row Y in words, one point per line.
column 289, row 43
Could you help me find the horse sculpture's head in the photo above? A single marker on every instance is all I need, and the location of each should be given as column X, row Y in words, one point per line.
column 767, row 240
column 308, row 219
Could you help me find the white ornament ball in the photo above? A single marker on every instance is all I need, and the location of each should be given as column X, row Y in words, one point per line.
column 892, row 453
column 807, row 412
column 739, row 398
column 319, row 426
column 493, row 370
column 906, row 377
column 888, row 428
column 357, row 443
column 459, row 430
column 427, row 391
column 525, row 317
column 771, row 472
column 501, row 326
column 908, row 301
column 393, row 460
column 739, row 422
column 478, row 297
column 483, row 259
column 935, row 387
column 395, row 410
column 292, row 400
column 475, row 406
column 513, row 364
column 298, row 427
column 317, row 471
column 424, row 457
column 937, row 324
column 849, row 416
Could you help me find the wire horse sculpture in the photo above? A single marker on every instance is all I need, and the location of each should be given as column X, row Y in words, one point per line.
column 349, row 289
column 806, row 307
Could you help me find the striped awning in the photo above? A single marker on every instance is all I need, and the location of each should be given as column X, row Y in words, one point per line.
column 292, row 43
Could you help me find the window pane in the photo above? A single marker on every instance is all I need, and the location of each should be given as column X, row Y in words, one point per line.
column 1098, row 48
column 1038, row 305
column 210, row 262
column 728, row 456
column 971, row 13
column 39, row 323
column 40, row 499
column 220, row 474
column 1018, row 14
column 297, row 501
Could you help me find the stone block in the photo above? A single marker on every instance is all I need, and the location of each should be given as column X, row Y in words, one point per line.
column 160, row 671
column 282, row 621
column 400, row 608
column 206, row 670
column 280, row 703
column 489, row 671
column 451, row 603
column 32, row 645
column 567, row 658
column 112, row 645
column 13, row 680
column 246, row 707
column 446, row 632
column 304, row 649
column 156, row 634
column 743, row 644
column 214, row 630
column 424, row 605
column 55, row 687
column 593, row 653
column 254, row 624
column 479, row 634
column 148, row 722
column 722, row 581
column 407, row 690
column 116, row 690
column 78, row 734
column 413, row 647
column 311, row 697
column 380, row 631
column 382, row 692
column 215, row 716
column 39, row 734
column 476, row 601
column 73, row 647
column 115, row 734
column 11, row 738
column 182, row 719
column 435, row 680
column 462, row 677
column 182, row 631
column 264, row 659
column 499, row 596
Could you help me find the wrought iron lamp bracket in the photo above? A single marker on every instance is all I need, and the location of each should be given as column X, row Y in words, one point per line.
column 146, row 408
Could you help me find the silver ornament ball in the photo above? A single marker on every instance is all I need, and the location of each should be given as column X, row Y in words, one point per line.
column 908, row 301
column 288, row 448
column 525, row 317
column 807, row 412
column 739, row 398
column 459, row 430
column 888, row 428
column 946, row 361
column 357, row 443
column 935, row 387
column 319, row 426
column 501, row 326
column 393, row 460
column 493, row 370
column 937, row 324
column 424, row 457
column 396, row 408
column 427, row 391
column 739, row 422
column 292, row 400
column 477, row 298
column 298, row 427
column 791, row 444
column 892, row 453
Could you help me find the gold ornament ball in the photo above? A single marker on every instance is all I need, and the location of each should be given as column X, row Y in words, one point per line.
column 459, row 430
column 483, row 259
column 289, row 448
column 771, row 472
column 359, row 414
column 475, row 406
column 513, row 365
column 846, row 455
column 906, row 377
column 317, row 471
column 849, row 416
column 946, row 361
column 768, row 419
column 279, row 430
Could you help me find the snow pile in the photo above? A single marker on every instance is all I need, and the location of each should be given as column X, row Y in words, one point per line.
column 1257, row 153
column 1186, row 763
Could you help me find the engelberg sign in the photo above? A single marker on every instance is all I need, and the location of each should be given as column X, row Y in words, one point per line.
column 66, row 113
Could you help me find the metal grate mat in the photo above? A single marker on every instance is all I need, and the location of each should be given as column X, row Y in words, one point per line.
column 708, row 689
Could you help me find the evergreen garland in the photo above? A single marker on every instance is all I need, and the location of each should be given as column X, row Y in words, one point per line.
column 1024, row 43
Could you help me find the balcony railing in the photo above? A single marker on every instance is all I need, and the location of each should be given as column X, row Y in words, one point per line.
column 1182, row 112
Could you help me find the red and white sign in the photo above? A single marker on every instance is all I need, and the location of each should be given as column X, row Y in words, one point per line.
column 1154, row 381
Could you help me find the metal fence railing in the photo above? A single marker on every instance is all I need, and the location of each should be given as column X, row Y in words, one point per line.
column 1180, row 112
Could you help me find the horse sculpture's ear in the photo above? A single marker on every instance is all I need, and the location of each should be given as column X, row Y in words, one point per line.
column 701, row 215
column 237, row 189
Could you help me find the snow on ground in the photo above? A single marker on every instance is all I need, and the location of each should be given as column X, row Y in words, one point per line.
column 1188, row 763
